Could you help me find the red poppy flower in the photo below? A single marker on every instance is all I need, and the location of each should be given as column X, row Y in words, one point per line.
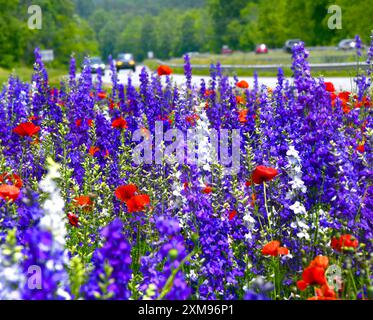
column 329, row 87
column 232, row 215
column 209, row 93
column 311, row 276
column 13, row 178
column 302, row 285
column 78, row 122
column 271, row 249
column 263, row 174
column 93, row 150
column 343, row 242
column 138, row 203
column 320, row 261
column 274, row 249
column 240, row 100
column 125, row 193
column 83, row 202
column 344, row 96
column 283, row 251
column 120, row 123
column 26, row 129
column 73, row 219
column 314, row 273
column 9, row 193
column 321, row 298
column 242, row 117
column 192, row 119
column 102, row 95
column 207, row 190
column 164, row 70
column 333, row 96
column 364, row 102
column 186, row 185
column 361, row 148
column 325, row 292
column 242, row 84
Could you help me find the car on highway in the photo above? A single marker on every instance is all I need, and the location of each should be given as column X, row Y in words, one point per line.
column 96, row 64
column 261, row 49
column 125, row 61
column 346, row 44
column 289, row 44
column 226, row 50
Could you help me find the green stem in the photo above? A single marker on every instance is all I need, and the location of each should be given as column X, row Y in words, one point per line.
column 138, row 245
column 275, row 279
column 22, row 158
column 169, row 283
column 353, row 282
column 317, row 230
column 267, row 210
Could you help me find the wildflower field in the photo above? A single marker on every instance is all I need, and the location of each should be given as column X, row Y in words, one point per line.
column 92, row 208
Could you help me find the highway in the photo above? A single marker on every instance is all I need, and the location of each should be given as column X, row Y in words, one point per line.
column 339, row 82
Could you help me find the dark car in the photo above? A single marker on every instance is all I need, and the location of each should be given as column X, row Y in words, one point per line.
column 96, row 64
column 125, row 61
column 289, row 45
column 347, row 44
column 262, row 48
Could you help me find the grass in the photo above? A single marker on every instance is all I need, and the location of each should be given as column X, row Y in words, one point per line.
column 250, row 73
column 274, row 57
column 25, row 74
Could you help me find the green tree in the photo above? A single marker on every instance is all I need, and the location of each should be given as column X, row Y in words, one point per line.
column 148, row 40
column 222, row 13
column 188, row 39
column 129, row 39
column 108, row 37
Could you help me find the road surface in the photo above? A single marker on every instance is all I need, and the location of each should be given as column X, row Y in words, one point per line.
column 123, row 75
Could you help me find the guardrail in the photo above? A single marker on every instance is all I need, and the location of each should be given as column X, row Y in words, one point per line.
column 273, row 67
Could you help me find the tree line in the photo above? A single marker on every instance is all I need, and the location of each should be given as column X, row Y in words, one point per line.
column 63, row 30
column 171, row 28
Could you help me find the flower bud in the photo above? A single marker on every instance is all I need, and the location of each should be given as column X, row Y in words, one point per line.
column 173, row 254
column 195, row 238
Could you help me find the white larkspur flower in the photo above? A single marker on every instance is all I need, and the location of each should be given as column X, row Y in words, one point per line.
column 304, row 235
column 53, row 219
column 294, row 171
column 12, row 277
column 298, row 208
